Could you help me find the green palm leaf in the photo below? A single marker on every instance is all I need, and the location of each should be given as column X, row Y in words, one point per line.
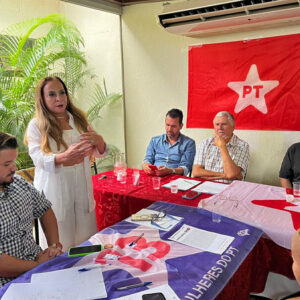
column 99, row 99
column 24, row 61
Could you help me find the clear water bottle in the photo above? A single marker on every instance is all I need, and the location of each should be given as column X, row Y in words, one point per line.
column 120, row 166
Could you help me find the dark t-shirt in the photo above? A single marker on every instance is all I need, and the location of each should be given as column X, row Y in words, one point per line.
column 290, row 167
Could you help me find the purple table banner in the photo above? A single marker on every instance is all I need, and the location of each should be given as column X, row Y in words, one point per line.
column 190, row 272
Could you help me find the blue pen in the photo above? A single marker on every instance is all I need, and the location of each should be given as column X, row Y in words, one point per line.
column 89, row 268
column 123, row 288
column 135, row 241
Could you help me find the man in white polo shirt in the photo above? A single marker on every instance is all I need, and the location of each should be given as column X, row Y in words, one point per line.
column 223, row 157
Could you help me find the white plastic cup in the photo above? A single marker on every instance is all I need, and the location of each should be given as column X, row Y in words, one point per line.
column 136, row 172
column 174, row 187
column 136, row 177
column 215, row 217
column 156, row 183
column 289, row 197
column 296, row 189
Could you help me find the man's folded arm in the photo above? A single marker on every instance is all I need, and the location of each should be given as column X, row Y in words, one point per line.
column 164, row 171
column 200, row 172
column 231, row 170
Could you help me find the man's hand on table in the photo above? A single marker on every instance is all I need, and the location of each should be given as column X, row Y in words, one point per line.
column 53, row 251
column 163, row 171
column 160, row 172
column 48, row 254
column 147, row 169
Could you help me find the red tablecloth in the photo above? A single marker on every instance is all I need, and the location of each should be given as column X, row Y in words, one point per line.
column 116, row 201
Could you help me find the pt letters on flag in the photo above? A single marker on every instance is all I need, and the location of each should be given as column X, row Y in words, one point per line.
column 258, row 81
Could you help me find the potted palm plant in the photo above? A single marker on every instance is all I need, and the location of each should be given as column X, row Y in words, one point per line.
column 26, row 57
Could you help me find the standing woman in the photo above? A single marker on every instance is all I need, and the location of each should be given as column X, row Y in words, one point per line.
column 60, row 143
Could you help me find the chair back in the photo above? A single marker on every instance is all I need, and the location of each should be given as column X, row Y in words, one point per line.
column 27, row 174
column 93, row 164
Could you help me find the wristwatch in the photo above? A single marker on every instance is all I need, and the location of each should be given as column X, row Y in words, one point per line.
column 173, row 171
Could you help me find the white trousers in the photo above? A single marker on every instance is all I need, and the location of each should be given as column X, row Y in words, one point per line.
column 78, row 225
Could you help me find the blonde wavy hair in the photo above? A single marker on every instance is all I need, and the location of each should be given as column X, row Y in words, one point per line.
column 47, row 122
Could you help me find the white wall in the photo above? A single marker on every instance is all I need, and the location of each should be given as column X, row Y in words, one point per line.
column 101, row 32
column 156, row 80
column 13, row 11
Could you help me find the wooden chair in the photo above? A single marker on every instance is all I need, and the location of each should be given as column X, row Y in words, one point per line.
column 28, row 175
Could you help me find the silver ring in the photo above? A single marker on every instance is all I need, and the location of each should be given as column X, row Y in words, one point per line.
column 92, row 141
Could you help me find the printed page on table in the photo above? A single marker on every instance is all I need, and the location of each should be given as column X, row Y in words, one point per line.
column 209, row 187
column 183, row 184
column 202, row 239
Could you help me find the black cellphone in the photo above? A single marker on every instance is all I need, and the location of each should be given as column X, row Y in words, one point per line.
column 84, row 250
column 154, row 296
column 191, row 195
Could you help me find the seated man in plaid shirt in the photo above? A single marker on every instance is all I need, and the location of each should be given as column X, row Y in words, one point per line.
column 223, row 157
column 20, row 203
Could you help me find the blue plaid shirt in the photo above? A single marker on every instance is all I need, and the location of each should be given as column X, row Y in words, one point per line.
column 181, row 155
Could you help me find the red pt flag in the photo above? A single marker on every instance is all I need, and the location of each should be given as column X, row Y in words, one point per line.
column 258, row 81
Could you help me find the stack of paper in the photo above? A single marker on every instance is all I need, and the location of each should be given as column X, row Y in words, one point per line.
column 183, row 184
column 63, row 284
column 202, row 239
column 209, row 187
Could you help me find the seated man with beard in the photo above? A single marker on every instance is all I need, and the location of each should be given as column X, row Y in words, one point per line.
column 20, row 203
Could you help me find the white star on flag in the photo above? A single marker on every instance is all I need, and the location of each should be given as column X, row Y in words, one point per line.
column 252, row 91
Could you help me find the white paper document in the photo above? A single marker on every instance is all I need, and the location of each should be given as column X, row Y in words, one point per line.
column 60, row 285
column 209, row 187
column 165, row 289
column 166, row 223
column 183, row 184
column 202, row 239
column 24, row 291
